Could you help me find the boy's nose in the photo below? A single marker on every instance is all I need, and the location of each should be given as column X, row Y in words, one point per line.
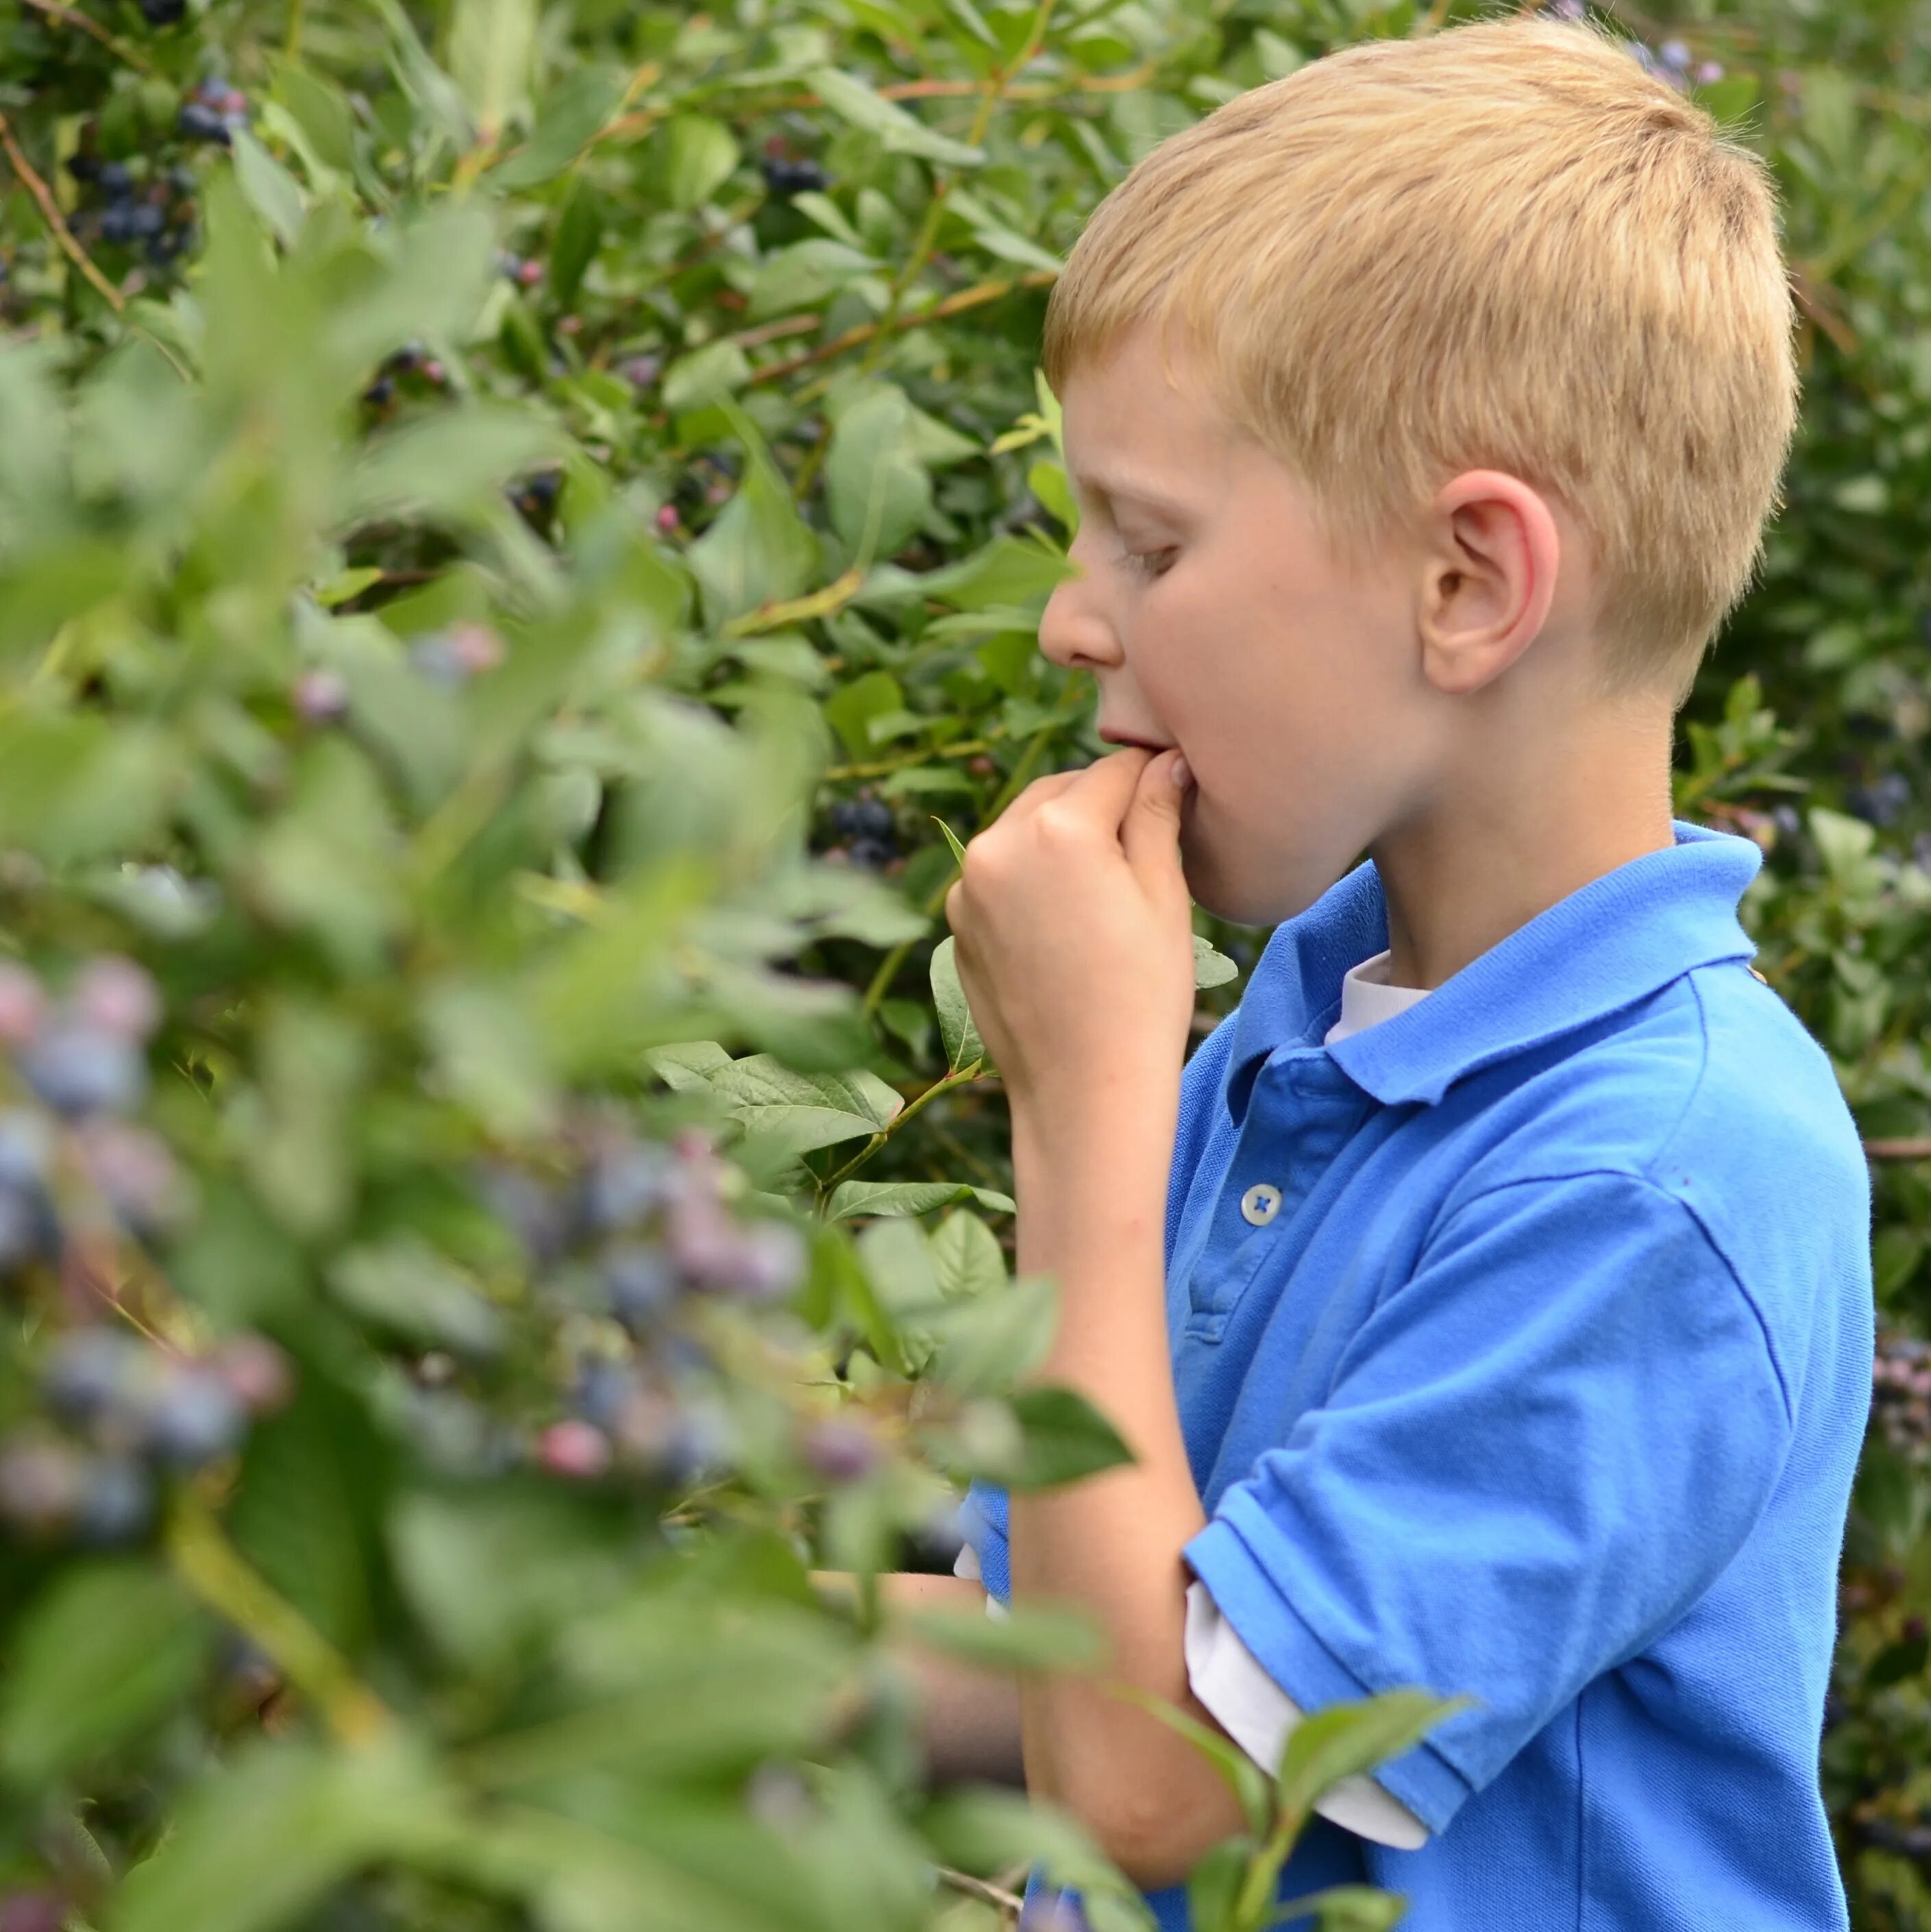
column 1073, row 634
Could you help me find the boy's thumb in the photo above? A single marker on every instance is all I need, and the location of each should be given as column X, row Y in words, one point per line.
column 1151, row 833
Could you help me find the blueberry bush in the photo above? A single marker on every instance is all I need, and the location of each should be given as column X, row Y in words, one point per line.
column 521, row 532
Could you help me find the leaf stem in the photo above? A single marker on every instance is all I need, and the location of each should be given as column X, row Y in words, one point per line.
column 56, row 222
column 72, row 16
column 1022, row 776
column 898, row 1120
column 218, row 1573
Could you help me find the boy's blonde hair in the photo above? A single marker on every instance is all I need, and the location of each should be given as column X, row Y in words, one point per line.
column 1505, row 245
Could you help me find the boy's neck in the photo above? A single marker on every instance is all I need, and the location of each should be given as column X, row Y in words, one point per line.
column 1506, row 839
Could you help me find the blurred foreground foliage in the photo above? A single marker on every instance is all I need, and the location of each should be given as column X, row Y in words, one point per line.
column 517, row 525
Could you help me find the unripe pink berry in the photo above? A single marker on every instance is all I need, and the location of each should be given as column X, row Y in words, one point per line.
column 321, row 697
column 118, row 997
column 576, row 1449
column 23, row 1003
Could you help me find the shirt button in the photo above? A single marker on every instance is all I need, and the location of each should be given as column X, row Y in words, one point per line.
column 1261, row 1203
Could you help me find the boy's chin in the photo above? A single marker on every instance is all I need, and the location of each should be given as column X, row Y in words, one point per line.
column 1249, row 894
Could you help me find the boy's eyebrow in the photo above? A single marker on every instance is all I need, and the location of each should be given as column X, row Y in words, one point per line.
column 1111, row 487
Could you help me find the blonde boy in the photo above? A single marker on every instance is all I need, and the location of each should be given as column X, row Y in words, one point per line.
column 1489, row 1306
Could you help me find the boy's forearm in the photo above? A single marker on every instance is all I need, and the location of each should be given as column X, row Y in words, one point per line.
column 968, row 1717
column 1092, row 1193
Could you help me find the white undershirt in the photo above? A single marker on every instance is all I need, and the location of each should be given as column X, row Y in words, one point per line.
column 1225, row 1676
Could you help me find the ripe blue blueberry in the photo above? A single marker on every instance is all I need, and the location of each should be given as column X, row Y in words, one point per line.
column 117, row 1501
column 640, row 1282
column 627, row 1181
column 92, row 1372
column 79, row 1069
column 196, row 1419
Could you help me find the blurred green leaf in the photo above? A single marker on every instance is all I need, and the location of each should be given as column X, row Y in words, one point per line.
column 104, row 1653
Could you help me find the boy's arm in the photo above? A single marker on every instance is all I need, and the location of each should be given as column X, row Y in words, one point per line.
column 968, row 1717
column 1076, row 945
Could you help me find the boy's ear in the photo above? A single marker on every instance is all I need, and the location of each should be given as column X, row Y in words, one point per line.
column 1490, row 556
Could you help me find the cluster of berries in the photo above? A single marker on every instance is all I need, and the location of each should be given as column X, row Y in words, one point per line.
column 868, row 832
column 214, row 111
column 1672, row 61
column 452, row 656
column 412, row 363
column 535, row 496
column 785, row 178
column 1882, row 801
column 1901, row 1394
column 125, row 208
column 129, row 1413
column 640, row 1228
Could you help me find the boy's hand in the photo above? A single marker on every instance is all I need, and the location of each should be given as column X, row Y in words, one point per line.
column 1075, row 941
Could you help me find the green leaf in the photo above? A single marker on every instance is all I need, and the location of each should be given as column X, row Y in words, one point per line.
column 1345, row 1739
column 987, row 1343
column 454, row 464
column 980, row 1829
column 1238, row 1771
column 760, row 550
column 1348, row 1908
column 404, row 1285
column 852, row 1198
column 698, row 154
column 321, row 110
column 270, row 188
column 579, row 233
column 1214, row 1885
column 492, row 43
column 1029, row 1638
column 568, row 121
column 952, row 839
column 898, row 131
column 688, row 1067
column 797, row 1112
column 704, row 376
column 877, row 491
column 259, row 1842
column 1064, row 1439
column 851, row 710
column 105, row 1652
column 967, row 1258
column 957, row 1029
column 1211, row 968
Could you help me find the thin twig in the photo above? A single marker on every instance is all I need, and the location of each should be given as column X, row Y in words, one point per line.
column 986, row 1893
column 70, row 16
column 50, row 213
column 1918, row 1148
column 950, row 305
column 218, row 1572
column 963, row 1077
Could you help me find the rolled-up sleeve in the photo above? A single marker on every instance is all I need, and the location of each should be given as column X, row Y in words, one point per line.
column 1538, row 1452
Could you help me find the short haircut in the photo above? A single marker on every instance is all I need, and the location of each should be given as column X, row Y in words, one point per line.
column 1505, row 245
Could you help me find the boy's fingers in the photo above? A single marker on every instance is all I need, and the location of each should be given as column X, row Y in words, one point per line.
column 1041, row 791
column 1105, row 788
column 1151, row 834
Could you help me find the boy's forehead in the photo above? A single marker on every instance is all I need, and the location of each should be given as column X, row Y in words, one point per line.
column 1130, row 425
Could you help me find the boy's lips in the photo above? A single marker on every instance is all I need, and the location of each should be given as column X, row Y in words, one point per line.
column 1113, row 737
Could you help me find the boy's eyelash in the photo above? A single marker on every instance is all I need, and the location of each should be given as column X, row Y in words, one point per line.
column 1149, row 563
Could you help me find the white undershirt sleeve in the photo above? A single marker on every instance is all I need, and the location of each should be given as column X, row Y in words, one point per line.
column 1258, row 1715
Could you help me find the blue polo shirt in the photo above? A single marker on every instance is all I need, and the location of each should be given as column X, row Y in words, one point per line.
column 1545, row 1383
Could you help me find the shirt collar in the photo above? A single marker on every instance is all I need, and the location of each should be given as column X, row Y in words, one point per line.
column 1607, row 945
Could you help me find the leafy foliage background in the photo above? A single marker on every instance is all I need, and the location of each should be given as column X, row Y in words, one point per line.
column 515, row 522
